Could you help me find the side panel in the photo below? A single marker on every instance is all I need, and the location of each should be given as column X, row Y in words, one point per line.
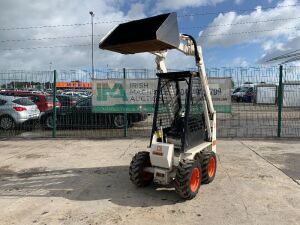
column 191, row 153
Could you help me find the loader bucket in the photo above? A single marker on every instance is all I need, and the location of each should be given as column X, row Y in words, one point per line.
column 146, row 35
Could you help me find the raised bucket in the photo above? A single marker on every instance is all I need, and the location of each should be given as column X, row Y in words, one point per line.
column 146, row 35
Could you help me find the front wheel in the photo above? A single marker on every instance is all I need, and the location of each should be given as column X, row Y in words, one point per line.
column 137, row 175
column 188, row 178
column 209, row 166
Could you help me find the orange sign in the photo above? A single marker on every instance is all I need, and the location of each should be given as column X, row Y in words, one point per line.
column 74, row 84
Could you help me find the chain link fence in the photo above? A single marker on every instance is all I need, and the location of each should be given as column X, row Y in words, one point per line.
column 254, row 103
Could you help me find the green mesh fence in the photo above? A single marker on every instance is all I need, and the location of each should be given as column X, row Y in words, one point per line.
column 104, row 105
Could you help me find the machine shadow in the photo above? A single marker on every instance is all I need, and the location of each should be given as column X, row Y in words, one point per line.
column 84, row 184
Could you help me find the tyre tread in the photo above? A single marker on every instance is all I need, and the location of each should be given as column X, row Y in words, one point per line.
column 205, row 157
column 136, row 169
column 182, row 179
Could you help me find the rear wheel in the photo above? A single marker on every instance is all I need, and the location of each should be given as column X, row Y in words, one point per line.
column 48, row 122
column 119, row 121
column 7, row 123
column 188, row 178
column 137, row 175
column 209, row 166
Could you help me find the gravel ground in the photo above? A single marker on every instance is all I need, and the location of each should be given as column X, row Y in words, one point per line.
column 67, row 181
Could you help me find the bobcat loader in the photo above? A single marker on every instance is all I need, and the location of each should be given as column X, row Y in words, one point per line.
column 182, row 146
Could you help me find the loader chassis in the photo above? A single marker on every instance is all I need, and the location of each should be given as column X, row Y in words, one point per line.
column 182, row 146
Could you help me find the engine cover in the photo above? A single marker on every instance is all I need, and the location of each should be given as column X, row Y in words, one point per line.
column 161, row 155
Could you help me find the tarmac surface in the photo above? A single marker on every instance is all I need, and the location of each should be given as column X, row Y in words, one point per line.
column 69, row 181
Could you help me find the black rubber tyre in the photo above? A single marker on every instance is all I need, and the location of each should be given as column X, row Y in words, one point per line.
column 47, row 122
column 187, row 183
column 119, row 121
column 209, row 166
column 7, row 123
column 137, row 174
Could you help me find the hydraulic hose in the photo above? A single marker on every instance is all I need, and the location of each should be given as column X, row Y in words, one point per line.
column 197, row 58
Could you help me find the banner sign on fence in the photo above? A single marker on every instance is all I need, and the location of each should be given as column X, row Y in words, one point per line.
column 132, row 95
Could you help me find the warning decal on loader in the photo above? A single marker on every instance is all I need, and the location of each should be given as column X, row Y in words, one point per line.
column 131, row 95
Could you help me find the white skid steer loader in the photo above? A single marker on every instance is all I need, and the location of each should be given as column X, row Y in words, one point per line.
column 182, row 146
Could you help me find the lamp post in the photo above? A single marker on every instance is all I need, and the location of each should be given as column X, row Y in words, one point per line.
column 92, row 22
column 50, row 65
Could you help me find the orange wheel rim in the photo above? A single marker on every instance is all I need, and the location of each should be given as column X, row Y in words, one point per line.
column 211, row 167
column 195, row 179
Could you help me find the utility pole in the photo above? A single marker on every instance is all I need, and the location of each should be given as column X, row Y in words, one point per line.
column 92, row 22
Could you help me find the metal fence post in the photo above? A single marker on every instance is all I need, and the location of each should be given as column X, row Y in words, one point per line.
column 280, row 98
column 54, row 105
column 125, row 106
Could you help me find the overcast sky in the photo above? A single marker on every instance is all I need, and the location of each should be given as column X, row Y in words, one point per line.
column 231, row 32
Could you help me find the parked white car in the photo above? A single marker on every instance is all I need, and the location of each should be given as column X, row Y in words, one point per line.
column 15, row 111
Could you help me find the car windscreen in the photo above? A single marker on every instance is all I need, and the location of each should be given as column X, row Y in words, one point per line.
column 49, row 98
column 85, row 103
column 23, row 101
column 243, row 89
column 237, row 90
column 66, row 98
column 2, row 102
column 7, row 94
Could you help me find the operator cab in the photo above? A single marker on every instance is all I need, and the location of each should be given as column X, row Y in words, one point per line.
column 179, row 114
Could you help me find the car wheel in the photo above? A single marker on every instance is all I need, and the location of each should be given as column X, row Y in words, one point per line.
column 49, row 122
column 119, row 121
column 7, row 123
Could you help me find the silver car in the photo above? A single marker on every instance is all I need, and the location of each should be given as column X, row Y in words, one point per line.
column 15, row 111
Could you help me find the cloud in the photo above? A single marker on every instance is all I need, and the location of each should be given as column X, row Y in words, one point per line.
column 238, row 61
column 136, row 11
column 272, row 45
column 178, row 60
column 278, row 49
column 179, row 4
column 238, row 2
column 260, row 25
column 38, row 13
column 18, row 13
